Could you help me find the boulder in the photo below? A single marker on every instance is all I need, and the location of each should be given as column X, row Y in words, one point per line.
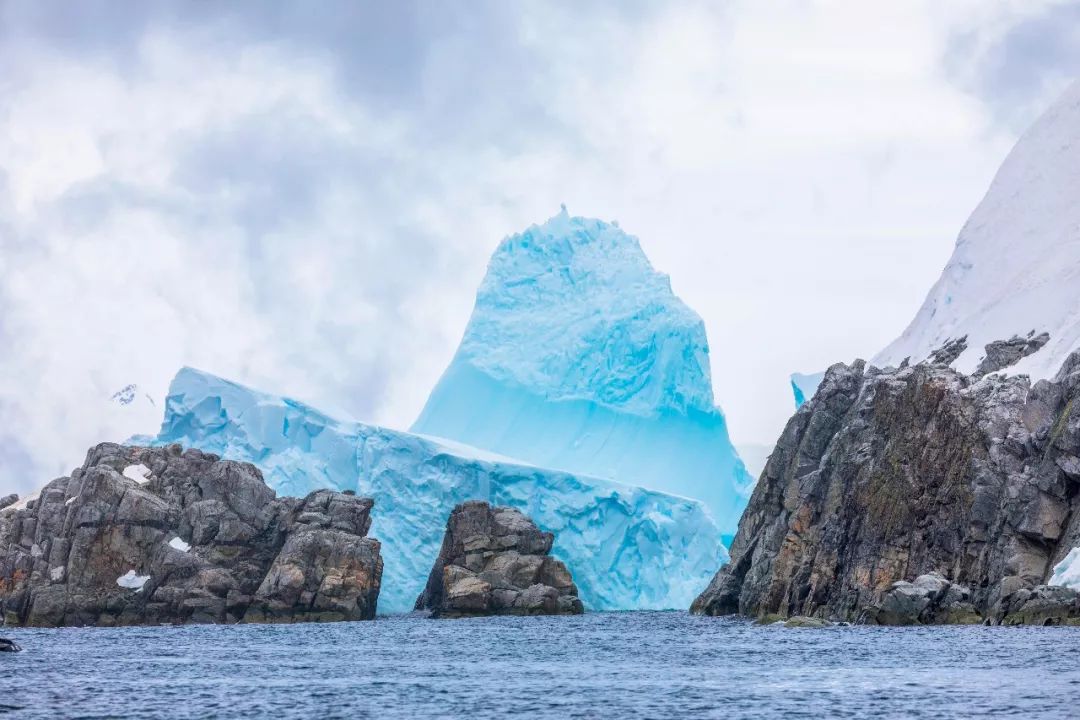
column 929, row 600
column 495, row 561
column 1041, row 605
column 8, row 500
column 9, row 646
column 161, row 535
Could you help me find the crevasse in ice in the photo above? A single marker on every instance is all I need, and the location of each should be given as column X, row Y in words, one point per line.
column 578, row 356
column 627, row 547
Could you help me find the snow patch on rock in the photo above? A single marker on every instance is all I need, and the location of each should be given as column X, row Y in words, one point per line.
column 131, row 581
column 178, row 544
column 139, row 473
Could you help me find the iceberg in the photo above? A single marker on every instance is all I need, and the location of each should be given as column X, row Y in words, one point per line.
column 579, row 357
column 804, row 386
column 628, row 547
column 1067, row 572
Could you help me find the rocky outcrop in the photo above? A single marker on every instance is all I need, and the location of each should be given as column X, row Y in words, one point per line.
column 8, row 500
column 159, row 535
column 9, row 646
column 1002, row 354
column 929, row 600
column 494, row 561
column 948, row 353
column 909, row 495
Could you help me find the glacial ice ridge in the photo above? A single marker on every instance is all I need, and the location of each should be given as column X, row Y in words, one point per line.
column 628, row 547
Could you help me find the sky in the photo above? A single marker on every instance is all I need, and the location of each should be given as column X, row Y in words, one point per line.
column 303, row 197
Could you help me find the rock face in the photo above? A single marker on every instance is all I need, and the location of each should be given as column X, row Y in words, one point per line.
column 494, row 561
column 159, row 535
column 916, row 494
column 1002, row 354
column 8, row 500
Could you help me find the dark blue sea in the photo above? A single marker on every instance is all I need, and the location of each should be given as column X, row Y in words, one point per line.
column 617, row 665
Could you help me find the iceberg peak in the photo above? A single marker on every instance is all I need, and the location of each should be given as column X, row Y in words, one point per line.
column 573, row 310
column 579, row 357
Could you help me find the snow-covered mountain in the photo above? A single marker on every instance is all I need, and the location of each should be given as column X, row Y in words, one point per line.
column 628, row 548
column 579, row 356
column 1015, row 272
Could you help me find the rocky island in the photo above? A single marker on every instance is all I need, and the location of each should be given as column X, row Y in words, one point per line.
column 495, row 561
column 916, row 494
column 142, row 535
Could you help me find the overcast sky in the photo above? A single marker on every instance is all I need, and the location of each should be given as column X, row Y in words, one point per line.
column 303, row 197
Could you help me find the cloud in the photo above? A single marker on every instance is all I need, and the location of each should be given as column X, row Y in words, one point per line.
column 303, row 197
column 1016, row 57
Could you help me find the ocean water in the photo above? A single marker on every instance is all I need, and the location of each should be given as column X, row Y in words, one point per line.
column 622, row 665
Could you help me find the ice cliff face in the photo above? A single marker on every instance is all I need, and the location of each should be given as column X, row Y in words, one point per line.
column 578, row 356
column 627, row 547
column 1015, row 272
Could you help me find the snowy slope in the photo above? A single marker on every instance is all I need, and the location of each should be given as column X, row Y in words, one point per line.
column 579, row 356
column 627, row 547
column 1016, row 266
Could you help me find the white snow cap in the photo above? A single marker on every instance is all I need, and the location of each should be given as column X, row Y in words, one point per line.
column 131, row 581
column 1016, row 266
column 139, row 473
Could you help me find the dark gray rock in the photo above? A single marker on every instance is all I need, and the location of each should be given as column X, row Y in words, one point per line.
column 911, row 495
column 8, row 500
column 9, row 646
column 494, row 561
column 159, row 535
column 947, row 353
column 929, row 600
column 1006, row 353
column 1041, row 605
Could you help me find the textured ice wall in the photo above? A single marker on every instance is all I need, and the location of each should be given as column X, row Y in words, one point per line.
column 627, row 547
column 579, row 356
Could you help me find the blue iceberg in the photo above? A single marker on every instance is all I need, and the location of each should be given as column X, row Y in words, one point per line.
column 628, row 548
column 578, row 356
column 804, row 386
